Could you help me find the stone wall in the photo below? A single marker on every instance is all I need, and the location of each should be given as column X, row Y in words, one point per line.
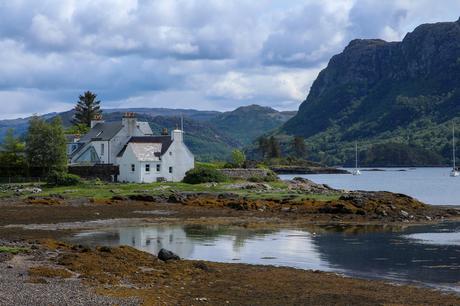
column 107, row 173
column 244, row 174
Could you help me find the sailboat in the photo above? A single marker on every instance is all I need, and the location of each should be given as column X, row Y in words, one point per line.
column 356, row 170
column 454, row 171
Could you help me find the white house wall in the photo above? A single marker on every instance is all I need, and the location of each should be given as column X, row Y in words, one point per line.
column 178, row 156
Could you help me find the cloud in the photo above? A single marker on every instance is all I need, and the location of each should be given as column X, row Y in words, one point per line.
column 214, row 54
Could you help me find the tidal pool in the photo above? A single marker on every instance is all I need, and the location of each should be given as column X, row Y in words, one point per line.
column 425, row 255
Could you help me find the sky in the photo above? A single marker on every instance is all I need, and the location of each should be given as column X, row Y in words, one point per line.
column 198, row 54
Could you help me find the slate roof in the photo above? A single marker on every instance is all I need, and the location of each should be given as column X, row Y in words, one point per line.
column 102, row 131
column 156, row 145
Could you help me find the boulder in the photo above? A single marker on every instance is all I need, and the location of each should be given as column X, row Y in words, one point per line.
column 166, row 255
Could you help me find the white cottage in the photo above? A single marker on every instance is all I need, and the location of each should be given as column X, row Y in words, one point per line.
column 141, row 157
column 156, row 158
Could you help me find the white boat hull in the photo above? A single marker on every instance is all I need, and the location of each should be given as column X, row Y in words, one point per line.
column 454, row 173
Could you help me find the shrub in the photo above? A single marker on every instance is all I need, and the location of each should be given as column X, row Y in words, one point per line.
column 63, row 179
column 270, row 177
column 204, row 175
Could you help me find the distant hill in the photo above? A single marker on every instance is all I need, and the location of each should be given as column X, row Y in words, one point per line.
column 377, row 92
column 246, row 123
column 210, row 135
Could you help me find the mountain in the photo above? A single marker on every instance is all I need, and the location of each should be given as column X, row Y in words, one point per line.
column 210, row 135
column 377, row 92
column 247, row 123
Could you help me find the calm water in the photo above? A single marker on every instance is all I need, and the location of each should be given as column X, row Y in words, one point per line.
column 430, row 185
column 427, row 255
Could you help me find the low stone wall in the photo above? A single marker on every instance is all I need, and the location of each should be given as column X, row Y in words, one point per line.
column 108, row 173
column 244, row 174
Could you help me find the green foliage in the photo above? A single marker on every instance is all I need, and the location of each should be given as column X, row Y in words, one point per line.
column 77, row 129
column 87, row 109
column 57, row 178
column 46, row 146
column 204, row 175
column 397, row 154
column 210, row 165
column 12, row 160
column 238, row 158
column 298, row 147
column 271, row 177
column 274, row 149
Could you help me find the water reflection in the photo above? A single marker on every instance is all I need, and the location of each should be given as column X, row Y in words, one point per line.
column 394, row 253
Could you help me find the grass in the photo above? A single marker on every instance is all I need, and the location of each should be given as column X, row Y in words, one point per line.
column 12, row 250
column 101, row 191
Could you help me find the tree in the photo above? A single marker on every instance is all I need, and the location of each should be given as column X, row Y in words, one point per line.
column 274, row 148
column 238, row 157
column 78, row 129
column 46, row 146
column 12, row 161
column 263, row 146
column 299, row 147
column 87, row 109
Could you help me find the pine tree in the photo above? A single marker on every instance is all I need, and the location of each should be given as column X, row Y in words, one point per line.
column 263, row 146
column 275, row 149
column 86, row 109
column 299, row 147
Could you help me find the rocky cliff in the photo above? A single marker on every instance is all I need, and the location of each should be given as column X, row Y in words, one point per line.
column 376, row 91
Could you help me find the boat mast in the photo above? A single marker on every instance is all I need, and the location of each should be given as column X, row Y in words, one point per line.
column 356, row 155
column 453, row 145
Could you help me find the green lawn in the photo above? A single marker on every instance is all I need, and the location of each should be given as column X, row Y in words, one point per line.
column 101, row 190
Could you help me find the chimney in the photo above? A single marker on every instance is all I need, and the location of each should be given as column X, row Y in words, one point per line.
column 177, row 135
column 97, row 119
column 130, row 122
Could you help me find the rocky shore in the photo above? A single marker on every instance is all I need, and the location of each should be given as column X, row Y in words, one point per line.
column 37, row 265
column 49, row 272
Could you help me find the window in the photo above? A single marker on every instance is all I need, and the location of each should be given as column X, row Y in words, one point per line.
column 170, row 169
column 170, row 153
column 133, row 167
column 158, row 168
column 102, row 149
column 147, row 168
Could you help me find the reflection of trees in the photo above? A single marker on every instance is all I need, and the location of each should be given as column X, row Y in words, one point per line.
column 355, row 229
column 152, row 239
column 211, row 233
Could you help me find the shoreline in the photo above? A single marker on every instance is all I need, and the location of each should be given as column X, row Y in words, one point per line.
column 56, row 217
column 126, row 276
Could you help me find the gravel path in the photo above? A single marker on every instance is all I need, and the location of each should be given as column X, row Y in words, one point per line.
column 16, row 288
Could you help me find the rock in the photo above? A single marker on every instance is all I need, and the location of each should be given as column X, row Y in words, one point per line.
column 428, row 218
column 404, row 213
column 142, row 198
column 119, row 198
column 202, row 266
column 166, row 255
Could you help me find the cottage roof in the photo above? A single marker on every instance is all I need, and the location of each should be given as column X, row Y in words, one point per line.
column 103, row 131
column 148, row 147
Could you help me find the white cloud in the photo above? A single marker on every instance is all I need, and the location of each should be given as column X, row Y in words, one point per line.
column 214, row 54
